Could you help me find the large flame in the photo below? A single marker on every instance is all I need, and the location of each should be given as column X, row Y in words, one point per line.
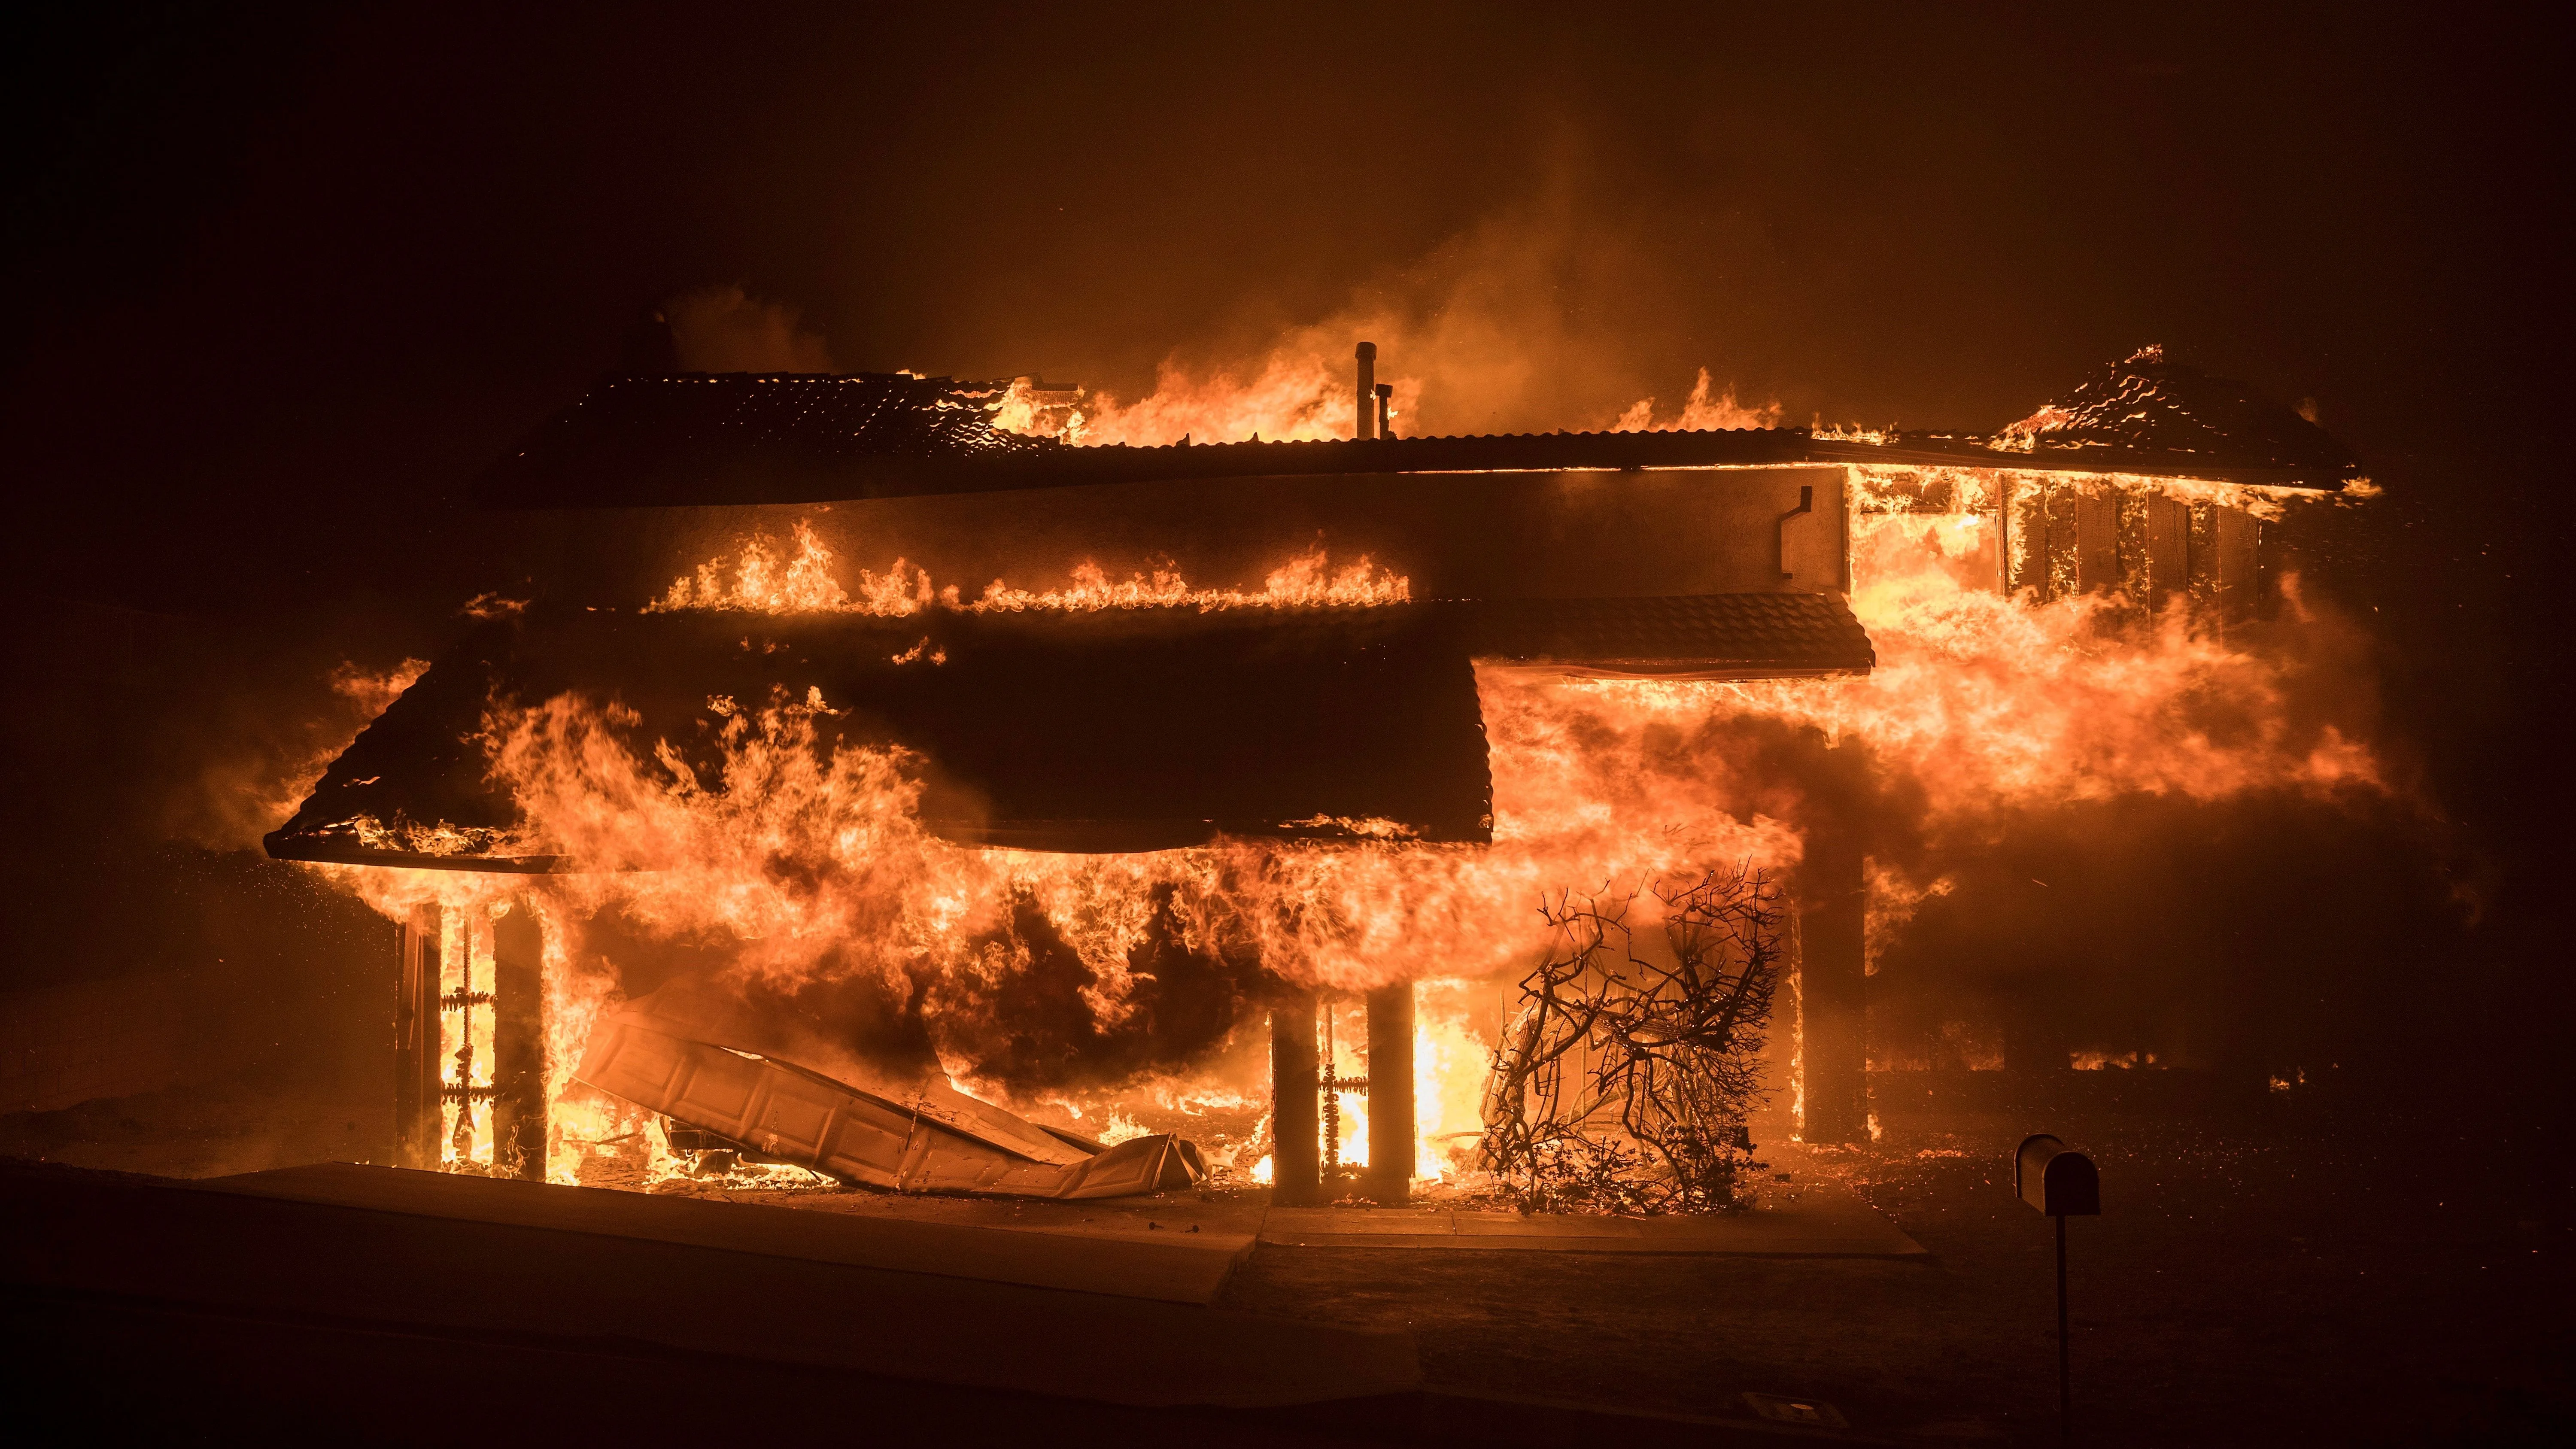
column 1984, row 701
column 809, row 867
column 1299, row 396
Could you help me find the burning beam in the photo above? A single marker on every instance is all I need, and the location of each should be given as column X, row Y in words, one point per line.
column 417, row 1057
column 519, row 1045
column 1296, row 1160
column 1833, row 896
column 1390, row 1056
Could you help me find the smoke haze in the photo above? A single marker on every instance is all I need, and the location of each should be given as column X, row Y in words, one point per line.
column 291, row 281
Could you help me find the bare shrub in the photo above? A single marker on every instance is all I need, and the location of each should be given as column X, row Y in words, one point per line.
column 1622, row 1082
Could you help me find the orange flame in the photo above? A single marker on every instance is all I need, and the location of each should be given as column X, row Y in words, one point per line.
column 812, row 863
column 1294, row 396
column 1701, row 411
column 759, row 580
column 1990, row 701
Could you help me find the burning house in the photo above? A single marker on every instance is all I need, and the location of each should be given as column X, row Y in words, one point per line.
column 716, row 845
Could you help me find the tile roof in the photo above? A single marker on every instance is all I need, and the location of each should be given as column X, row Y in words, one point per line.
column 1108, row 731
column 719, row 436
column 2148, row 405
column 745, row 438
column 1706, row 636
column 1121, row 729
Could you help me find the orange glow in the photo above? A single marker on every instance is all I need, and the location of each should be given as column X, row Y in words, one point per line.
column 1701, row 411
column 1304, row 581
column 1989, row 701
column 809, row 862
column 1290, row 395
column 1295, row 394
column 760, row 578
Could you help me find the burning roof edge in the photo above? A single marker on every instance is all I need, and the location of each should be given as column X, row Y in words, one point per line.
column 412, row 779
column 746, row 438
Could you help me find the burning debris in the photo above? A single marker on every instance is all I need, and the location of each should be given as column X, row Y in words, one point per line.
column 1625, row 1077
column 924, row 1137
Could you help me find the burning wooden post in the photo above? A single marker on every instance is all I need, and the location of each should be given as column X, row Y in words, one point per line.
column 1833, row 951
column 1390, row 1055
column 518, row 1045
column 418, row 1059
column 1296, row 1165
column 2077, row 536
column 1832, row 1006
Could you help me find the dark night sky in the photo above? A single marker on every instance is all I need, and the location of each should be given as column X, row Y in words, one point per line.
column 284, row 276
column 283, row 279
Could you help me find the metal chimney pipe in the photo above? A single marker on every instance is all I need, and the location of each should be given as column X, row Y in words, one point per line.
column 1368, row 391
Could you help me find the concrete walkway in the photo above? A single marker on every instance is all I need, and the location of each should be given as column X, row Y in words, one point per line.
column 1806, row 1218
column 1809, row 1215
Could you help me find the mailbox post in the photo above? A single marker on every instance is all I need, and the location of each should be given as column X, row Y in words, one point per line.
column 2061, row 1184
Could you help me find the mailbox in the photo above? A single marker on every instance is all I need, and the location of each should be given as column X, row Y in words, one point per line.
column 2063, row 1185
column 2057, row 1182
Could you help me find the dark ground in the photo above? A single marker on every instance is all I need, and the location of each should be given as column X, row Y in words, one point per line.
column 2253, row 1284
column 2290, row 1276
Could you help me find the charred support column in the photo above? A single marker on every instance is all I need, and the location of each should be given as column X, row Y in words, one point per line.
column 1368, row 391
column 1833, row 969
column 1390, row 1116
column 518, row 1045
column 1296, row 1157
column 416, row 1042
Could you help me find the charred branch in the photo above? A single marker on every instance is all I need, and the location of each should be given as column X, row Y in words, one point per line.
column 1623, row 1081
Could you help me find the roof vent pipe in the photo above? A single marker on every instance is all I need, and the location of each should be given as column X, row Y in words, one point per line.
column 1368, row 391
